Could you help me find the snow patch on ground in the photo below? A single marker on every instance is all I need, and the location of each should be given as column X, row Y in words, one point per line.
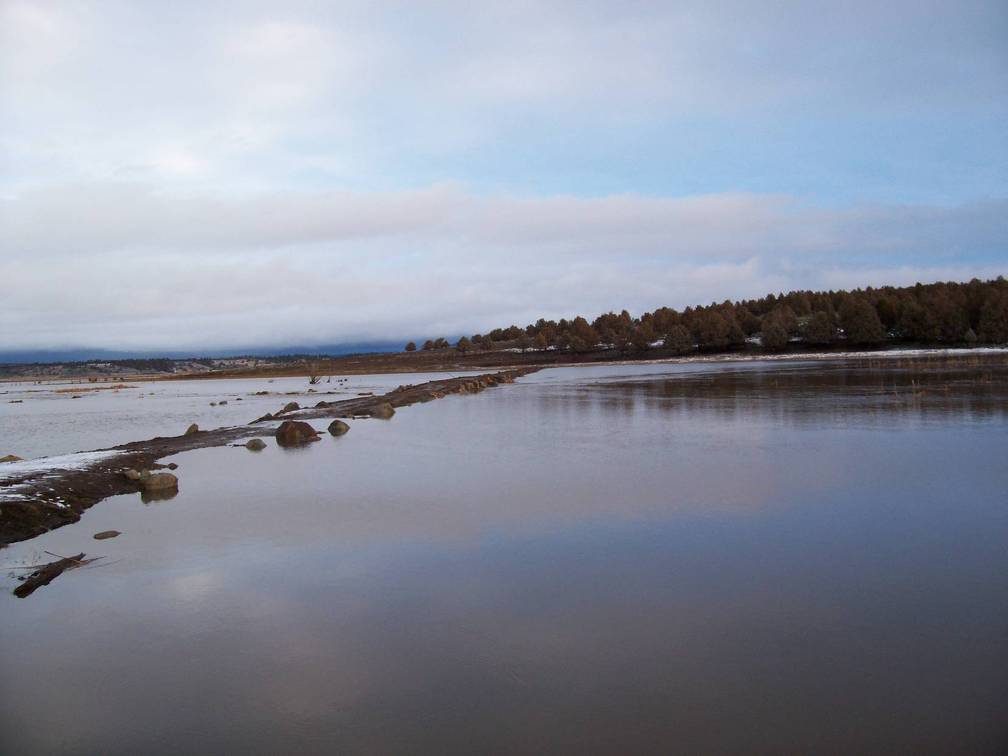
column 78, row 461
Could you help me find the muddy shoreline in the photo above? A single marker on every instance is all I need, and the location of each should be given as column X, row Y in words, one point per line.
column 451, row 362
column 41, row 499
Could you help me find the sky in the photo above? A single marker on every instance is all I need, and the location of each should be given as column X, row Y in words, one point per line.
column 216, row 174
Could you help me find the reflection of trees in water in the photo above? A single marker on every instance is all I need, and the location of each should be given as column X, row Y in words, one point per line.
column 864, row 391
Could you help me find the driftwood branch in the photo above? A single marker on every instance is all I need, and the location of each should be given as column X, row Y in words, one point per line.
column 47, row 574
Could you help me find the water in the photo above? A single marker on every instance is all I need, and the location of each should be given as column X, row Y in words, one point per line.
column 45, row 419
column 731, row 558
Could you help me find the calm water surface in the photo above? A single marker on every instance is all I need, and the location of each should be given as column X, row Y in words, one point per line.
column 60, row 418
column 669, row 559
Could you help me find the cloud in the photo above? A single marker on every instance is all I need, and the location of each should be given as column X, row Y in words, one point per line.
column 365, row 93
column 124, row 265
column 172, row 174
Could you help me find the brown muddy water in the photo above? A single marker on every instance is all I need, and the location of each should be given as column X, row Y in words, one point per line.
column 747, row 557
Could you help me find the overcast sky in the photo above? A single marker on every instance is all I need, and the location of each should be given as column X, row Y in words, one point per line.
column 177, row 175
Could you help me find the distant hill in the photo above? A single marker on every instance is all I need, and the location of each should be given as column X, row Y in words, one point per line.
column 48, row 356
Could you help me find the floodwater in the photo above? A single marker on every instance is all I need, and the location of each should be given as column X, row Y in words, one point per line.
column 743, row 557
column 49, row 418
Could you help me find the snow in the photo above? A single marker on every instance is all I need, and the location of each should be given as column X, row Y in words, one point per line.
column 78, row 461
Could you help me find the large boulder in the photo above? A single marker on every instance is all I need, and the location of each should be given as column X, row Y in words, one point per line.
column 382, row 411
column 160, row 481
column 11, row 458
column 255, row 444
column 338, row 427
column 192, row 429
column 295, row 433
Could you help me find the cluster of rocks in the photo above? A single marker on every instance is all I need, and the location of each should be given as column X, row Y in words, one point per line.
column 296, row 433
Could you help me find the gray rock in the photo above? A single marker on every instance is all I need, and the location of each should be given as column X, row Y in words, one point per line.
column 130, row 474
column 338, row 427
column 192, row 429
column 106, row 534
column 290, row 407
column 255, row 444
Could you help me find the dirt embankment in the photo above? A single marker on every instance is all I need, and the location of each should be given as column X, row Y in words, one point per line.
column 43, row 498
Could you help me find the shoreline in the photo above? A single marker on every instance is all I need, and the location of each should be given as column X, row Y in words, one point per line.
column 533, row 361
column 37, row 496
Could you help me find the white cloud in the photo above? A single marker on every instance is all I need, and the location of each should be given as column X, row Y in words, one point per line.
column 122, row 265
column 172, row 174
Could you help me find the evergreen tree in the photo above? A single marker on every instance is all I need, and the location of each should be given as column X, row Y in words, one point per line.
column 860, row 322
column 774, row 336
column 820, row 329
column 678, row 340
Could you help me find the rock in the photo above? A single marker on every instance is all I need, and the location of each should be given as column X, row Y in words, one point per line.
column 11, row 458
column 158, row 481
column 322, row 405
column 290, row 407
column 338, row 427
column 106, row 534
column 239, row 399
column 382, row 411
column 192, row 429
column 130, row 474
column 172, row 466
column 213, row 404
column 255, row 444
column 222, row 402
column 295, row 433
column 267, row 416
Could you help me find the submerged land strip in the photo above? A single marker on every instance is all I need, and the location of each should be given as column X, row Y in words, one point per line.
column 39, row 495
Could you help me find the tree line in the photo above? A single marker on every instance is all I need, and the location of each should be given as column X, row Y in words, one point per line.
column 944, row 313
